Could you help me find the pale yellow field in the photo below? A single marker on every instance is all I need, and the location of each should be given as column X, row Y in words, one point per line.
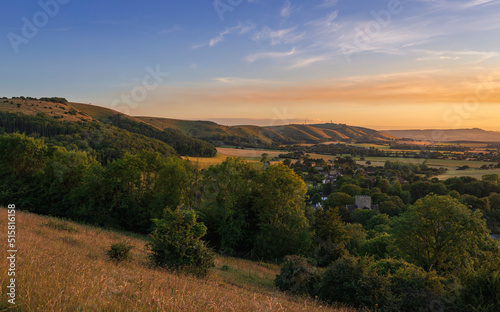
column 247, row 152
column 62, row 270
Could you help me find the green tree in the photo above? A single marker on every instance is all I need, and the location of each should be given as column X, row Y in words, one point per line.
column 351, row 189
column 280, row 207
column 265, row 158
column 226, row 205
column 338, row 199
column 176, row 243
column 21, row 155
column 22, row 160
column 440, row 233
column 330, row 236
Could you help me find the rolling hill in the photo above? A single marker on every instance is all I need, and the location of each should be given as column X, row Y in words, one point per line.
column 448, row 135
column 193, row 138
column 286, row 134
column 42, row 114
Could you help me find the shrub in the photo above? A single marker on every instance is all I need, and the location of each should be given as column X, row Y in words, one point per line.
column 176, row 243
column 297, row 276
column 119, row 251
column 348, row 281
column 412, row 288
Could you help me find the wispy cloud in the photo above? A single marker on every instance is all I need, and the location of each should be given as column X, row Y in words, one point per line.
column 303, row 62
column 328, row 3
column 242, row 81
column 286, row 10
column 474, row 3
column 269, row 55
column 468, row 56
column 238, row 29
column 279, row 36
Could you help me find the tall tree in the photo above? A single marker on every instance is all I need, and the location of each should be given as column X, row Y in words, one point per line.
column 280, row 206
column 440, row 233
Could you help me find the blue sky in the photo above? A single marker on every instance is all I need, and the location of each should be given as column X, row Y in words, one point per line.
column 381, row 64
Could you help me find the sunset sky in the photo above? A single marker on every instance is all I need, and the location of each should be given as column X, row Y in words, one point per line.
column 379, row 64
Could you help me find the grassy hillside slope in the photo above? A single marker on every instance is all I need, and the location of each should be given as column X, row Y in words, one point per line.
column 86, row 113
column 60, row 111
column 291, row 134
column 62, row 266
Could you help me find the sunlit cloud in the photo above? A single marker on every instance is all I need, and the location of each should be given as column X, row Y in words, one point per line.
column 468, row 56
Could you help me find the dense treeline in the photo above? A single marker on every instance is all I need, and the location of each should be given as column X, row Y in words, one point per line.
column 183, row 144
column 104, row 142
column 129, row 192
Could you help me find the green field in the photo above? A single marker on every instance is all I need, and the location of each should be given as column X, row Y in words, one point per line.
column 474, row 173
column 447, row 163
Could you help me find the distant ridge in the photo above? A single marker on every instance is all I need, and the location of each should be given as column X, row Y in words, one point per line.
column 448, row 135
column 178, row 133
column 285, row 134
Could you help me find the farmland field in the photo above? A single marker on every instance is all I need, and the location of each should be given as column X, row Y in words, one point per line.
column 254, row 155
column 474, row 173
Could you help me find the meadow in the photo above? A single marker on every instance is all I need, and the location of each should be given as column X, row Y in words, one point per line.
column 63, row 266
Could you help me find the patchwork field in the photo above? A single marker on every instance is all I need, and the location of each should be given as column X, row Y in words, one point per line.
column 254, row 155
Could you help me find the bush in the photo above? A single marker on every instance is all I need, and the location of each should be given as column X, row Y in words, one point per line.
column 297, row 276
column 119, row 251
column 412, row 288
column 176, row 243
column 348, row 281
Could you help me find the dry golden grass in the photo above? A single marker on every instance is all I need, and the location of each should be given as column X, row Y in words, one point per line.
column 65, row 268
column 33, row 107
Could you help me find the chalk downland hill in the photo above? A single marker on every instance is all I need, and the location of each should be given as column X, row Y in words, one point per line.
column 284, row 134
column 85, row 113
column 63, row 266
column 178, row 132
